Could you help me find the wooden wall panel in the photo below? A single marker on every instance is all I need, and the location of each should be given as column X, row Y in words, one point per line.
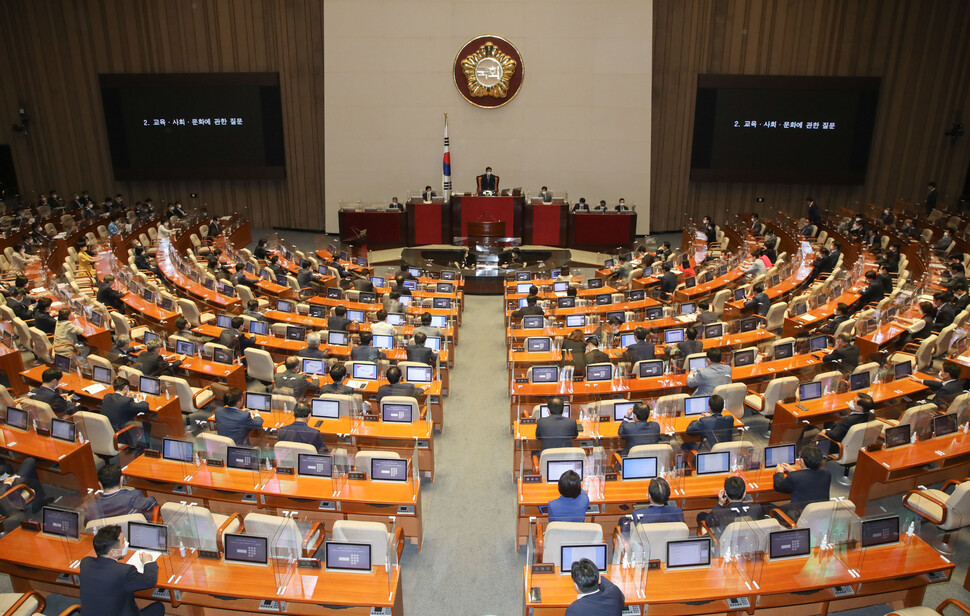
column 51, row 52
column 920, row 49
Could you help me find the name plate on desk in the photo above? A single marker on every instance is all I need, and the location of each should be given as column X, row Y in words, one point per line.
column 371, row 418
column 152, row 453
column 532, row 479
column 357, row 475
column 43, row 431
column 521, row 380
column 215, row 463
column 214, row 554
column 611, row 476
column 543, row 568
column 308, row 563
column 284, row 470
column 525, row 421
column 30, row 525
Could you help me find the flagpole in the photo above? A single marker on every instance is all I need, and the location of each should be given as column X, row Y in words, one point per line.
column 446, row 165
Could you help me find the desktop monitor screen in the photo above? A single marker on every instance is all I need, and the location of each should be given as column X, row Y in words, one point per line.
column 377, row 281
column 859, row 380
column 335, row 338
column 348, row 556
column 818, row 343
column 259, row 402
column 227, row 289
column 544, row 410
column 445, row 287
column 689, row 553
column 60, row 522
column 738, row 294
column 594, row 283
column 148, row 337
column 673, row 336
column 945, row 424
column 779, row 454
column 897, row 435
column 63, row 430
column 224, row 321
column 395, row 319
column 637, row 295
column 639, row 468
column 414, row 271
column 222, row 356
column 333, row 293
column 533, row 321
column 560, row 286
column 149, row 385
column 696, row 363
column 367, row 297
column 745, row 357
column 356, row 315
column 281, row 280
column 713, row 462
column 344, row 256
column 449, row 275
column 688, row 308
column 801, row 309
column 881, row 531
column 603, row 299
column 596, row 552
column 365, row 371
column 749, row 325
column 411, row 285
column 313, row 465
column 433, row 343
column 148, row 295
column 651, row 368
column 576, row 320
column 294, row 332
column 96, row 318
column 627, row 339
column 144, row 536
column 316, row 311
column 620, row 409
column 609, row 263
column 784, row 351
column 439, row 320
column 619, row 315
column 654, row 313
column 314, row 366
column 184, row 347
column 389, row 469
column 396, row 413
column 523, row 276
column 63, row 363
column 545, row 374
column 714, row 330
column 599, row 372
column 809, row 391
column 791, row 543
column 176, row 450
column 522, row 288
column 103, row 375
column 258, row 328
column 902, row 369
column 418, row 374
column 243, row 458
column 555, row 468
column 697, row 405
column 690, row 282
column 325, row 409
column 247, row 549
column 380, row 341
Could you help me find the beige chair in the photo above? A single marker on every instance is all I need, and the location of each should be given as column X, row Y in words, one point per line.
column 872, row 368
column 260, row 365
column 672, row 404
column 739, row 448
column 834, row 520
column 197, row 527
column 6, row 399
column 648, row 541
column 558, row 534
column 214, row 445
column 664, row 453
column 284, row 535
column 348, row 403
column 97, row 360
column 746, row 536
column 245, row 294
column 122, row 326
column 845, row 327
column 191, row 399
column 362, row 461
column 374, row 534
column 97, row 429
column 39, row 411
column 776, row 391
column 556, row 453
column 734, row 395
column 133, row 375
column 121, row 520
column 847, row 452
column 829, row 380
column 42, row 348
column 24, row 604
column 928, row 611
column 949, row 512
column 190, row 311
column 720, row 298
column 775, row 318
column 287, row 452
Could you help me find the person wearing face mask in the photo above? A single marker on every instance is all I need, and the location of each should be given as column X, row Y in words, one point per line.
column 709, row 229
column 948, row 387
column 108, row 586
column 860, row 411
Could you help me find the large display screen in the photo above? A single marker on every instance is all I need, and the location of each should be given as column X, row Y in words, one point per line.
column 194, row 126
column 783, row 129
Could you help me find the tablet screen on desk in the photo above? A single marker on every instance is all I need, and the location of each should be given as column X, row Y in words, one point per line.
column 689, row 282
column 810, row 391
column 555, row 468
column 433, row 343
column 544, row 410
column 439, row 320
column 696, row 405
column 316, row 311
column 620, row 409
column 17, row 418
column 654, row 313
column 560, row 286
column 859, row 380
column 637, row 295
column 381, row 341
column 689, row 553
column 744, row 358
column 697, row 363
column 258, row 328
column 749, row 325
column 595, row 552
column 356, row 316
column 144, row 536
column 242, row 458
column 651, row 368
column 902, row 369
column 521, row 276
column 148, row 337
column 418, row 374
column 63, row 362
column 897, row 435
column 881, row 531
column 294, row 332
column 224, row 321
column 377, row 281
column 395, row 319
column 639, row 468
column 258, row 402
column 575, row 320
column 687, row 308
column 713, row 462
column 313, row 465
column 441, row 302
column 96, row 318
column 246, row 549
column 566, row 302
column 367, row 297
column 149, row 385
column 791, row 543
column 739, row 294
column 602, row 299
column 673, row 336
column 102, row 375
column 594, row 283
column 325, row 409
column 945, row 424
column 396, row 413
column 336, row 338
column 60, row 522
column 449, row 275
column 63, row 430
column 388, row 469
column 332, row 292
column 221, row 356
column 545, row 374
column 348, row 556
column 784, row 351
column 365, row 371
column 627, row 340
column 779, row 454
column 533, row 321
column 818, row 343
column 599, row 373
column 619, row 315
column 314, row 366
column 176, row 450
column 522, row 288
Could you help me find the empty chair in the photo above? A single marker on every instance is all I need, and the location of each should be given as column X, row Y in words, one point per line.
column 245, row 294
column 672, row 404
column 97, row 429
column 539, row 463
column 284, row 535
column 776, row 391
column 746, row 536
column 260, row 365
column 720, row 298
column 872, row 368
column 191, row 313
column 558, row 534
column 733, row 394
column 362, row 461
column 664, row 453
column 743, row 449
column 847, row 452
column 374, row 534
column 287, row 452
column 191, row 399
column 214, row 445
column 24, row 604
column 775, row 318
column 949, row 512
column 122, row 520
column 39, row 411
column 835, row 519
column 402, row 401
column 829, row 380
column 197, row 527
column 649, row 541
column 927, row 611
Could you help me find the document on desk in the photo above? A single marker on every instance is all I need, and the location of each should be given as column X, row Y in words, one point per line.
column 94, row 389
column 357, row 384
column 135, row 560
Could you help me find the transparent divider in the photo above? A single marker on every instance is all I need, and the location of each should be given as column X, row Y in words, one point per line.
column 844, row 534
column 392, row 565
column 190, row 530
column 286, row 547
column 748, row 549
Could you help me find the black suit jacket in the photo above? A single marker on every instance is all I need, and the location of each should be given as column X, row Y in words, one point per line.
column 108, row 586
column 489, row 182
column 335, row 323
column 873, row 293
column 420, row 353
column 961, row 303
column 121, row 409
column 668, row 284
column 152, row 364
column 607, row 601
column 638, row 433
column 848, row 355
column 944, row 316
column 397, row 389
column 639, row 351
column 805, row 486
column 556, row 431
column 839, row 430
column 110, row 297
column 44, row 321
column 300, row 432
column 713, row 429
column 58, row 404
column 581, row 207
column 944, row 391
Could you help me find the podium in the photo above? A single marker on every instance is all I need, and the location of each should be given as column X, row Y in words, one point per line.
column 429, row 223
column 545, row 223
column 467, row 208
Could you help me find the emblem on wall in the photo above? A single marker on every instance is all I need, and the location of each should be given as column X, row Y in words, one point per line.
column 488, row 71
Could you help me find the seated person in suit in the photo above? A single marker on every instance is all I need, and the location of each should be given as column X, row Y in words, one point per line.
column 338, row 321
column 14, row 508
column 429, row 330
column 822, row 264
column 759, row 302
column 42, row 316
column 120, row 350
column 945, row 312
column 595, row 595
column 394, row 386
column 113, row 500
column 874, row 290
column 637, row 429
column 365, row 351
column 710, row 376
column 273, row 264
column 151, row 362
column 312, row 350
column 641, row 350
column 919, row 329
column 241, row 277
column 948, row 387
column 108, row 586
column 961, row 299
column 730, row 506
column 845, row 354
column 392, row 303
column 292, row 382
column 940, row 246
column 581, row 205
column 235, row 339
column 261, row 252
column 300, row 431
column 574, row 351
column 658, row 511
column 416, row 351
column 545, row 195
column 714, row 427
column 601, row 207
column 556, row 430
column 66, row 334
column 860, row 411
column 121, row 410
column 593, row 353
column 395, row 205
column 531, row 308
column 841, row 316
column 688, row 346
column 427, row 195
column 668, row 282
column 704, row 314
column 572, row 503
column 184, row 330
column 307, row 278
column 47, row 392
column 252, row 311
column 622, row 269
column 337, row 375
column 621, row 206
column 234, row 422
column 808, row 485
column 488, row 182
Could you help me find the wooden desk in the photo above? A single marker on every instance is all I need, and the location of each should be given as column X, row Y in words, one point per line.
column 233, row 375
column 226, row 491
column 788, row 422
column 889, row 574
column 605, row 230
column 710, row 287
column 798, row 326
column 55, row 458
column 190, row 287
column 385, row 228
column 12, row 364
column 207, row 587
column 900, row 469
column 169, row 421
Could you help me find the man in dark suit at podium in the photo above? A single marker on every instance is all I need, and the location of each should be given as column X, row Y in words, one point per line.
column 427, row 194
column 487, row 182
